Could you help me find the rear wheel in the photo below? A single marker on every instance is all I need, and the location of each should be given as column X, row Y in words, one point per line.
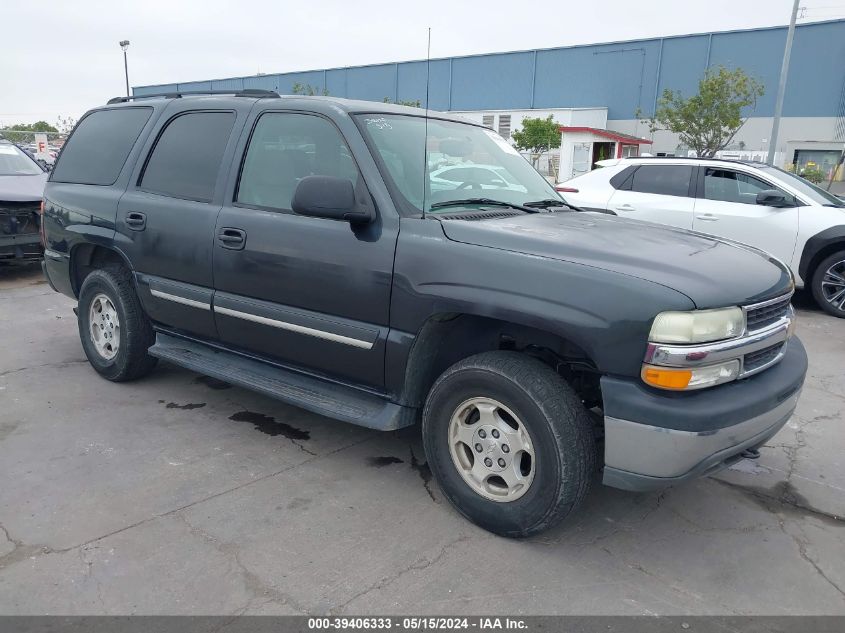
column 509, row 442
column 114, row 330
column 828, row 284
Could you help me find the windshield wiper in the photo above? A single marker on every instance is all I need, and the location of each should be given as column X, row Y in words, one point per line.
column 549, row 203
column 487, row 201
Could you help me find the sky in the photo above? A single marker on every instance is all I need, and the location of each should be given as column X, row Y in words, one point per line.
column 62, row 56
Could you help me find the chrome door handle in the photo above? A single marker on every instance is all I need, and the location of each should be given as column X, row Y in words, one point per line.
column 707, row 217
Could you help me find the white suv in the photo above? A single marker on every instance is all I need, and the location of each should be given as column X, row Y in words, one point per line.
column 753, row 203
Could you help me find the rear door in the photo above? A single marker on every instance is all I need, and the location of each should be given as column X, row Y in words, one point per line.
column 657, row 193
column 165, row 221
column 593, row 190
column 308, row 292
column 727, row 206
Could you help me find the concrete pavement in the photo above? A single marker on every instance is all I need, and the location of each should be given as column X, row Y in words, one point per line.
column 178, row 494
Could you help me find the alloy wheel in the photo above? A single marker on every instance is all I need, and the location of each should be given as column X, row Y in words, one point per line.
column 104, row 326
column 833, row 285
column 491, row 449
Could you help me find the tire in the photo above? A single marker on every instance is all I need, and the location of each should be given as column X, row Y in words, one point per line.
column 824, row 291
column 111, row 289
column 559, row 429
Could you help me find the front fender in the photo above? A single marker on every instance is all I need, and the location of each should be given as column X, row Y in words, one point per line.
column 605, row 313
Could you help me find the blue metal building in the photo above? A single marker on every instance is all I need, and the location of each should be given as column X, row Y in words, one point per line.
column 622, row 77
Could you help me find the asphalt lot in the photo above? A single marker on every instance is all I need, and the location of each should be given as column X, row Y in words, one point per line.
column 181, row 495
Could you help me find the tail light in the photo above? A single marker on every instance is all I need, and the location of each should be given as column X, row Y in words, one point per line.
column 41, row 225
column 566, row 189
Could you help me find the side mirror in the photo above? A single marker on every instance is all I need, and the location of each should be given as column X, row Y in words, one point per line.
column 330, row 197
column 772, row 198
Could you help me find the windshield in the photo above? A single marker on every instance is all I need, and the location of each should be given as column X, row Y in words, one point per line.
column 14, row 162
column 464, row 162
column 805, row 187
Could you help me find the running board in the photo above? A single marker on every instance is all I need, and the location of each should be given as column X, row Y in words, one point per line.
column 319, row 396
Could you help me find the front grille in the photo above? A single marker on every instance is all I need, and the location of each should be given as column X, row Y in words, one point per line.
column 758, row 318
column 761, row 358
column 19, row 217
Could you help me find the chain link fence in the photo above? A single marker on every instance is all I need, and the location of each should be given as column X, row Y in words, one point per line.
column 29, row 142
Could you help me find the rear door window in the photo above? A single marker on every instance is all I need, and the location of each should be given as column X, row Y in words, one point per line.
column 98, row 148
column 186, row 158
column 666, row 180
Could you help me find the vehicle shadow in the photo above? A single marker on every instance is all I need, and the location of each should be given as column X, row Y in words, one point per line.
column 16, row 275
column 803, row 300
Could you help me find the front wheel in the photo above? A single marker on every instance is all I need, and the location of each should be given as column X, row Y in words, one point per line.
column 828, row 284
column 113, row 327
column 509, row 442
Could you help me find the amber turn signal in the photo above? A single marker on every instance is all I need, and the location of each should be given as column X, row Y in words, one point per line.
column 666, row 378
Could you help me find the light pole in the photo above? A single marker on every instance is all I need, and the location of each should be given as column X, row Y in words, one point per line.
column 784, row 71
column 124, row 44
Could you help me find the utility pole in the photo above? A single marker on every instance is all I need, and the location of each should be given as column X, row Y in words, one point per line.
column 124, row 44
column 784, row 71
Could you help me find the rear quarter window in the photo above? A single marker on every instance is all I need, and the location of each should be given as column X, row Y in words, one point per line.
column 622, row 180
column 97, row 150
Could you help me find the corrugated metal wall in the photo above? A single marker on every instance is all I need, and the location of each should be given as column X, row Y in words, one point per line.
column 623, row 76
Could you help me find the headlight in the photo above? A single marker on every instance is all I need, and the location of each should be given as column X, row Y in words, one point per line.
column 697, row 326
column 678, row 379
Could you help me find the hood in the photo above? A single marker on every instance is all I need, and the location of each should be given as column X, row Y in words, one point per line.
column 711, row 272
column 22, row 188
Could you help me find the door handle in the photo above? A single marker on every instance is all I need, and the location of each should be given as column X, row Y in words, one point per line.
column 625, row 207
column 136, row 221
column 707, row 217
column 231, row 238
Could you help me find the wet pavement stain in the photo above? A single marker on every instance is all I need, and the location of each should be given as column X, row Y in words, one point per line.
column 187, row 407
column 381, row 462
column 268, row 424
column 783, row 496
column 212, row 383
column 424, row 473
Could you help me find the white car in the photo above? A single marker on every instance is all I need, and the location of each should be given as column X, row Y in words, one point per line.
column 776, row 211
column 473, row 176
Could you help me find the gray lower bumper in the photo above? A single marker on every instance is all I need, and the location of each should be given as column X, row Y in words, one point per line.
column 20, row 245
column 642, row 457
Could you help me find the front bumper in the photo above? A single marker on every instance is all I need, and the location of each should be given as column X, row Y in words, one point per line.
column 657, row 439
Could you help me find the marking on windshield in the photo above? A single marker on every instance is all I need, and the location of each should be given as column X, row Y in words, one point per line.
column 380, row 123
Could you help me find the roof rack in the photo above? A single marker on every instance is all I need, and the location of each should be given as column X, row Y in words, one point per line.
column 249, row 92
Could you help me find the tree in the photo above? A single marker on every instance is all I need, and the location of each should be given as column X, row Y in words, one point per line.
column 405, row 102
column 27, row 129
column 65, row 124
column 537, row 136
column 708, row 121
column 814, row 175
column 308, row 89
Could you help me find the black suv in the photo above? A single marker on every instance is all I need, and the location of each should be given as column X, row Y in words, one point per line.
column 373, row 264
